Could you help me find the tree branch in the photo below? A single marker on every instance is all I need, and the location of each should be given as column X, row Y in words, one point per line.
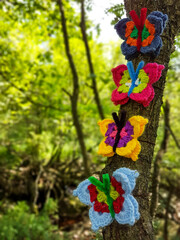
column 64, row 90
column 90, row 63
column 174, row 137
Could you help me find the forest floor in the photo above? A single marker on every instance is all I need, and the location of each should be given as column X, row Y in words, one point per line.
column 80, row 230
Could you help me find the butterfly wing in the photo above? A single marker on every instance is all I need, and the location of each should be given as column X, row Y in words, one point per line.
column 125, row 29
column 159, row 20
column 103, row 125
column 82, row 192
column 153, row 70
column 99, row 219
column 154, row 27
column 130, row 211
column 117, row 73
column 118, row 97
column 121, row 27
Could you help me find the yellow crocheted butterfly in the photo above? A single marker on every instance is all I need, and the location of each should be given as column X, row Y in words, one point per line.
column 121, row 138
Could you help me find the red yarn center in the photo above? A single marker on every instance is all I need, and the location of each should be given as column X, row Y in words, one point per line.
column 139, row 23
column 102, row 206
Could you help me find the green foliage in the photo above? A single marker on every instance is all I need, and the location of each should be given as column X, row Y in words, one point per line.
column 156, row 226
column 35, row 112
column 50, row 207
column 99, row 236
column 117, row 11
column 176, row 238
column 18, row 223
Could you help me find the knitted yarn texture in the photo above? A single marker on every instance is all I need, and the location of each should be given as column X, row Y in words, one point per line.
column 141, row 34
column 128, row 144
column 136, row 85
column 110, row 199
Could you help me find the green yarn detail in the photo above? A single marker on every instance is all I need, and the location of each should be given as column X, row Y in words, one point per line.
column 145, row 33
column 143, row 79
column 96, row 183
column 104, row 187
column 139, row 88
column 101, row 197
column 125, row 78
column 123, row 88
column 134, row 33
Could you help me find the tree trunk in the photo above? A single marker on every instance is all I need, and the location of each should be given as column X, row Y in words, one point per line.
column 75, row 93
column 143, row 230
column 89, row 59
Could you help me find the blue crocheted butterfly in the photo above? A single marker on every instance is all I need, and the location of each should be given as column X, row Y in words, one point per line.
column 141, row 34
column 110, row 199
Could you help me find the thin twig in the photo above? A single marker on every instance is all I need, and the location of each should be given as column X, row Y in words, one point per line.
column 64, row 90
column 174, row 137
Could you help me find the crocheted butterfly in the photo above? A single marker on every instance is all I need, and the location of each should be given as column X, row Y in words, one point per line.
column 110, row 199
column 135, row 85
column 141, row 34
column 121, row 137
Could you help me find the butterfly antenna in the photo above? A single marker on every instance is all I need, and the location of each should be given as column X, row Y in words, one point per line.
column 116, row 118
column 120, row 124
column 143, row 15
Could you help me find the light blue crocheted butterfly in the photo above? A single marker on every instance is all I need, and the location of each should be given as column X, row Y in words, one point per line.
column 110, row 199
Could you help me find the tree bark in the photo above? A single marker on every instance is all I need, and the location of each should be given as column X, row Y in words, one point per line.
column 90, row 63
column 75, row 93
column 158, row 160
column 143, row 230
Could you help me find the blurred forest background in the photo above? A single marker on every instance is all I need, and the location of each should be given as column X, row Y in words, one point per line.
column 48, row 126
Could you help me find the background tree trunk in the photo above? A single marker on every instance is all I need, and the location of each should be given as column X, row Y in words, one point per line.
column 75, row 94
column 143, row 230
column 168, row 204
column 90, row 63
column 158, row 160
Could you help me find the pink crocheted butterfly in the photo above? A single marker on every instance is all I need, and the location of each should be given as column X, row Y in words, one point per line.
column 136, row 85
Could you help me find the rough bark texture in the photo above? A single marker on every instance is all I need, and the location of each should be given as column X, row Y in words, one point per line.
column 143, row 229
column 158, row 160
column 75, row 93
column 90, row 63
